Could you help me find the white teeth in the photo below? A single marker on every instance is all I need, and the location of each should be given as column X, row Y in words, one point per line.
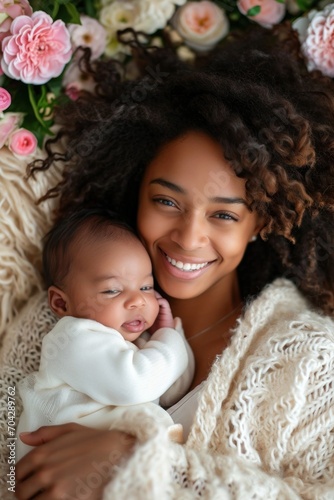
column 186, row 266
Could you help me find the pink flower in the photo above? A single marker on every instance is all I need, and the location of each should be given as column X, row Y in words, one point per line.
column 90, row 33
column 37, row 50
column 8, row 124
column 5, row 99
column 318, row 46
column 9, row 10
column 22, row 142
column 271, row 11
column 201, row 24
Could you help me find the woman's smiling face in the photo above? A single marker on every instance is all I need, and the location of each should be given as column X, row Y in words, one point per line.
column 193, row 217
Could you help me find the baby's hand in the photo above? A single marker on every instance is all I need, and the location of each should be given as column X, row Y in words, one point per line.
column 165, row 317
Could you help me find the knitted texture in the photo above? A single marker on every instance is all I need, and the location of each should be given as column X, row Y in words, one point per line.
column 23, row 223
column 20, row 355
column 264, row 428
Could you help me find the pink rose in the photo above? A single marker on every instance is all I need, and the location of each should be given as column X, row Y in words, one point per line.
column 22, row 142
column 201, row 24
column 271, row 11
column 8, row 124
column 37, row 50
column 9, row 10
column 5, row 99
column 318, row 46
column 90, row 33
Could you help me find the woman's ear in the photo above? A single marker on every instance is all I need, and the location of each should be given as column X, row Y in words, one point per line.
column 259, row 226
column 57, row 301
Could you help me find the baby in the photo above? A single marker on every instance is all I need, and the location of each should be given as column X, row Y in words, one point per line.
column 99, row 360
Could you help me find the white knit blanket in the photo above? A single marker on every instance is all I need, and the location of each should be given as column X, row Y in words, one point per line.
column 264, row 428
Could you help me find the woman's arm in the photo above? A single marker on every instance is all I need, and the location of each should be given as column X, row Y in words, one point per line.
column 70, row 461
column 75, row 462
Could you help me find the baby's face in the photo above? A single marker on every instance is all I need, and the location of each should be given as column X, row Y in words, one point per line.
column 111, row 282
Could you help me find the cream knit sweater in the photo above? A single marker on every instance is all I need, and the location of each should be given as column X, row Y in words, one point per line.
column 264, row 428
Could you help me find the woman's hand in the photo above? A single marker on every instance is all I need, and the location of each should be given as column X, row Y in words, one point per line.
column 69, row 462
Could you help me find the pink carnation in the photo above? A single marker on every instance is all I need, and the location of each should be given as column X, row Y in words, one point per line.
column 318, row 46
column 5, row 99
column 37, row 50
column 9, row 10
column 22, row 142
column 272, row 11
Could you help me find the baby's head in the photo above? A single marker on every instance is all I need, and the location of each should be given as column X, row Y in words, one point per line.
column 95, row 267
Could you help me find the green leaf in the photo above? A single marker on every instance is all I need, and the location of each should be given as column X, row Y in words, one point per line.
column 280, row 1
column 55, row 84
column 68, row 13
column 305, row 5
column 254, row 11
column 35, row 106
column 90, row 9
column 55, row 11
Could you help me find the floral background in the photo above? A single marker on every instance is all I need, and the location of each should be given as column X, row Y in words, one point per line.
column 38, row 42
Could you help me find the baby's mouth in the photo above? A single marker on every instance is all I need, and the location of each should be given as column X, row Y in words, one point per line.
column 134, row 326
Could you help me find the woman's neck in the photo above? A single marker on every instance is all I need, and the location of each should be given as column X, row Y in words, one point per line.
column 209, row 308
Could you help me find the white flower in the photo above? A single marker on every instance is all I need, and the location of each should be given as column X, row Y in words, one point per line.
column 90, row 33
column 201, row 24
column 74, row 78
column 292, row 7
column 147, row 16
column 185, row 54
column 155, row 14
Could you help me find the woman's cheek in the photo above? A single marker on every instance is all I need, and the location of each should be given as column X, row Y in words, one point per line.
column 234, row 245
column 151, row 224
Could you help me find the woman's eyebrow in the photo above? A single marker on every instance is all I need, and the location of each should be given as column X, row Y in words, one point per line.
column 214, row 199
column 231, row 200
column 169, row 185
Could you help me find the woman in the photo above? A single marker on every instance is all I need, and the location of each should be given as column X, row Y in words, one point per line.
column 228, row 172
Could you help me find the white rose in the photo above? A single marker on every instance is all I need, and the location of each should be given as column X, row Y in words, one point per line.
column 147, row 16
column 119, row 15
column 90, row 33
column 201, row 24
column 155, row 14
column 141, row 15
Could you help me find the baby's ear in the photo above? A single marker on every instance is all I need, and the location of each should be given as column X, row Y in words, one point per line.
column 57, row 301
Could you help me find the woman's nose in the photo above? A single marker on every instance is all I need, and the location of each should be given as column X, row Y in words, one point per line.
column 190, row 232
column 135, row 300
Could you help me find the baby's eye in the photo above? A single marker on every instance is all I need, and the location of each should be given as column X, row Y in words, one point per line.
column 147, row 288
column 111, row 292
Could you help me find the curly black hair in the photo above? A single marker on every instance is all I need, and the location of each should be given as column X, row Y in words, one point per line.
column 273, row 119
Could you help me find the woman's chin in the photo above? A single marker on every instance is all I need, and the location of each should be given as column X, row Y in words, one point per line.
column 179, row 289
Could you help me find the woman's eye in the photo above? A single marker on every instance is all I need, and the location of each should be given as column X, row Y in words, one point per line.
column 225, row 216
column 164, row 201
